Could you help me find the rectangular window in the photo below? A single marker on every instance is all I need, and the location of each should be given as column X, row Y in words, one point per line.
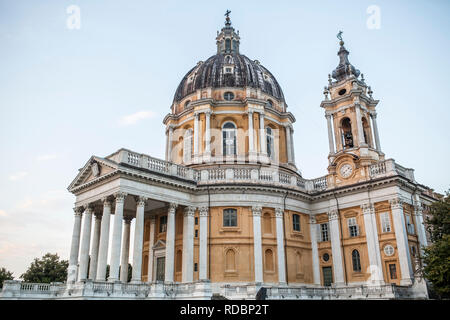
column 353, row 229
column 162, row 224
column 230, row 218
column 393, row 271
column 196, row 233
column 409, row 225
column 296, row 222
column 324, row 232
column 195, row 267
column 385, row 222
column 196, row 220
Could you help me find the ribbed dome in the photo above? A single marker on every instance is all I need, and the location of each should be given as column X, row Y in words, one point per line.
column 244, row 73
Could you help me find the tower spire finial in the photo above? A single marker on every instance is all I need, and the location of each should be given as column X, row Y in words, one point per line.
column 227, row 19
column 339, row 36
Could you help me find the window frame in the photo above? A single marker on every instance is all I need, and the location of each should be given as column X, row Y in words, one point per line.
column 324, row 231
column 188, row 141
column 224, row 134
column 228, row 94
column 270, row 143
column 226, row 219
column 356, row 258
column 385, row 222
column 353, row 228
column 161, row 224
column 295, row 223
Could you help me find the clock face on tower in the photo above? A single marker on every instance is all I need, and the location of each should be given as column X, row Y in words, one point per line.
column 346, row 170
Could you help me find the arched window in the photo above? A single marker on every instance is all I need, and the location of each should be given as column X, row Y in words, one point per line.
column 227, row 45
column 270, row 146
column 230, row 260
column 347, row 136
column 268, row 257
column 186, row 104
column 270, row 103
column 178, row 261
column 356, row 261
column 267, row 223
column 230, row 218
column 229, row 139
column 187, row 150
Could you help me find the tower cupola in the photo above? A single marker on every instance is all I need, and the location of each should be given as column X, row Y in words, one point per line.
column 227, row 40
column 345, row 69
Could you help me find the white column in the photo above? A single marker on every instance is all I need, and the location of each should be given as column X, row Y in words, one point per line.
column 95, row 246
column 257, row 245
column 359, row 125
column 196, row 134
column 279, row 213
column 251, row 143
column 85, row 244
column 262, row 135
column 138, row 240
column 418, row 219
column 116, row 238
column 72, row 270
column 314, row 249
column 203, row 247
column 288, row 143
column 401, row 237
column 169, row 149
column 125, row 258
column 375, row 130
column 330, row 133
column 188, row 245
column 375, row 266
column 208, row 134
column 170, row 243
column 150, row 253
column 292, row 144
column 104, row 241
column 336, row 249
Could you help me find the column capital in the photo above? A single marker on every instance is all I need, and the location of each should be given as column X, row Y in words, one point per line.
column 332, row 214
column 189, row 211
column 328, row 116
column 367, row 208
column 89, row 209
column 127, row 219
column 396, row 203
column 140, row 200
column 279, row 212
column 256, row 210
column 120, row 196
column 78, row 211
column 172, row 207
column 373, row 115
column 312, row 220
column 196, row 114
column 204, row 211
column 107, row 201
column 208, row 112
column 418, row 209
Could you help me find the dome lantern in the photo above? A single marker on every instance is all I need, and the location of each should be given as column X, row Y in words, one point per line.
column 227, row 40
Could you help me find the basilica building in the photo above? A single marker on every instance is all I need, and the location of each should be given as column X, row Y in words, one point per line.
column 228, row 214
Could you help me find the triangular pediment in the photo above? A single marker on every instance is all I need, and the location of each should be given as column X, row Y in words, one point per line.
column 94, row 168
column 160, row 244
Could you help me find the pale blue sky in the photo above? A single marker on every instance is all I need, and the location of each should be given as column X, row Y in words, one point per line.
column 64, row 94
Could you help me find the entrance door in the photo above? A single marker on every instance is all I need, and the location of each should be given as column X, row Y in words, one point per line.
column 327, row 276
column 160, row 268
column 391, row 271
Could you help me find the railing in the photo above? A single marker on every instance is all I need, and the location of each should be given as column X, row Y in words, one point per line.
column 257, row 175
column 41, row 287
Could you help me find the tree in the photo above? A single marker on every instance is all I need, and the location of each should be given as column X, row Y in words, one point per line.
column 5, row 275
column 47, row 269
column 437, row 255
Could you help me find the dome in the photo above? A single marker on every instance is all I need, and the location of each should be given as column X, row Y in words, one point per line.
column 229, row 70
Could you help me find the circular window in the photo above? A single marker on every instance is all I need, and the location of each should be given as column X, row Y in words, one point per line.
column 342, row 91
column 389, row 250
column 228, row 96
column 326, row 257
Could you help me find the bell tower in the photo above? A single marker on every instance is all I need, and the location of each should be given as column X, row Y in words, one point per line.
column 350, row 111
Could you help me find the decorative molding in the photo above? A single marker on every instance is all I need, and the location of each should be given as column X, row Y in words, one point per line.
column 368, row 208
column 256, row 210
column 189, row 211
column 312, row 220
column 204, row 211
column 396, row 203
column 172, row 207
column 279, row 212
column 120, row 197
column 332, row 214
column 140, row 200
